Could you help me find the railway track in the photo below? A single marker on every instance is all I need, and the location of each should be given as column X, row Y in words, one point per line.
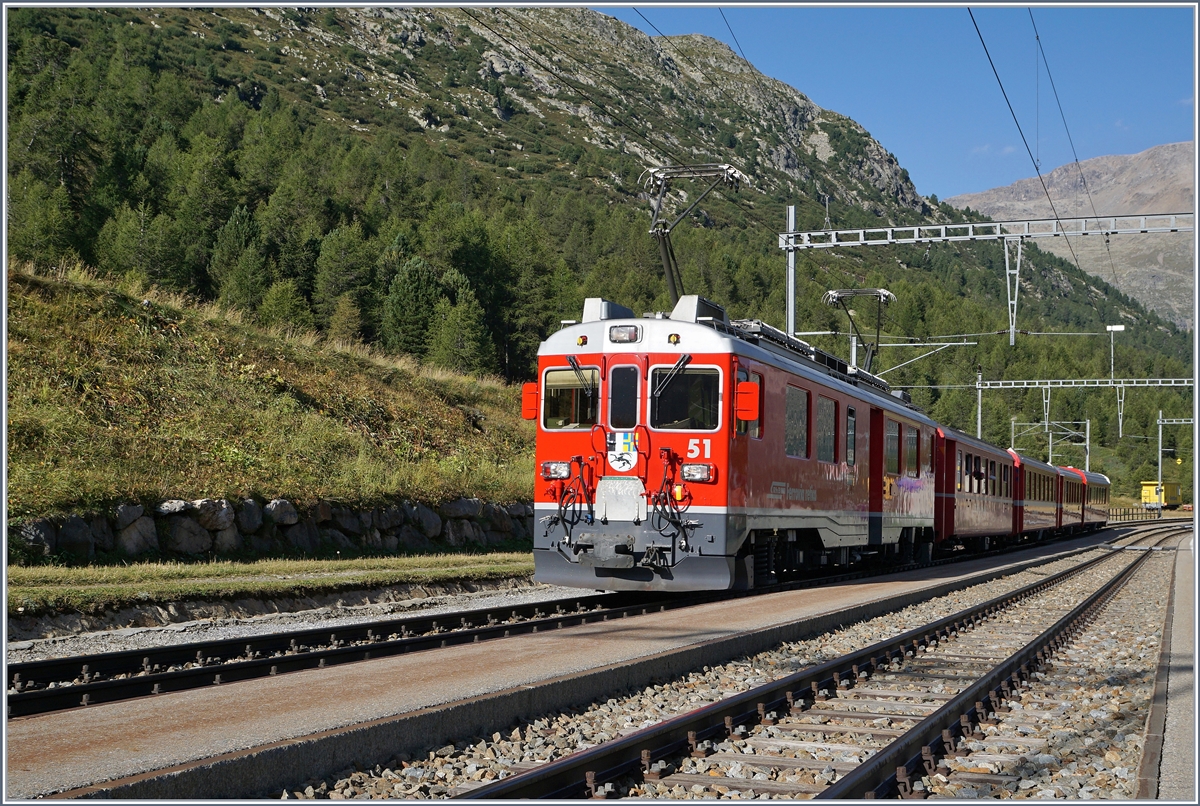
column 868, row 724
column 43, row 686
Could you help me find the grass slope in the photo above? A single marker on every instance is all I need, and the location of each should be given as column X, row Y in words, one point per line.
column 112, row 398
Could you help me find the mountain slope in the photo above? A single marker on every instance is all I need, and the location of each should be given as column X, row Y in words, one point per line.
column 1156, row 269
column 451, row 183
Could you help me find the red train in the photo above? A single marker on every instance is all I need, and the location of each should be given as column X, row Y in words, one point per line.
column 689, row 452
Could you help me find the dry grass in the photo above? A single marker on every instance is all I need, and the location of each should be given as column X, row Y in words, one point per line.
column 94, row 589
column 114, row 400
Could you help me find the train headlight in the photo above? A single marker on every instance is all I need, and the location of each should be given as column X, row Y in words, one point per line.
column 556, row 470
column 698, row 472
column 623, row 333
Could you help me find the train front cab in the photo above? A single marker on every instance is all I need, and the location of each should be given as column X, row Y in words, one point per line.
column 635, row 419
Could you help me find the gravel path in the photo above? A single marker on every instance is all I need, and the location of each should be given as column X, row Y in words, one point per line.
column 222, row 628
column 478, row 759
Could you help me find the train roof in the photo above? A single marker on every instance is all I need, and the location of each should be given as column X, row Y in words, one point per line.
column 709, row 330
column 1089, row 477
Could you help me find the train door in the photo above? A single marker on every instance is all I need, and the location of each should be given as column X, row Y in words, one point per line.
column 875, row 478
column 946, row 473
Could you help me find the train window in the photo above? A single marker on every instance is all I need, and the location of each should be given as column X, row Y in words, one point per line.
column 571, row 398
column 795, row 437
column 991, row 490
column 911, row 463
column 929, row 455
column 685, row 400
column 850, row 435
column 959, row 470
column 1005, row 489
column 826, row 430
column 978, row 475
column 970, row 480
column 623, row 397
column 891, row 447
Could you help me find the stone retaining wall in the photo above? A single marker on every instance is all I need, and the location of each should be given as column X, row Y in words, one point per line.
column 218, row 526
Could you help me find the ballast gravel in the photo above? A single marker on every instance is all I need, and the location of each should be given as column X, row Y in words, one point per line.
column 443, row 771
column 1090, row 704
column 420, row 603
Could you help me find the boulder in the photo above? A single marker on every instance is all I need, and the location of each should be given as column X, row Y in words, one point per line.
column 390, row 543
column 339, row 540
column 518, row 530
column 214, row 514
column 186, row 536
column 263, row 542
column 75, row 539
column 303, row 536
column 493, row 538
column 497, row 518
column 138, row 537
column 39, row 533
column 410, row 513
column 126, row 514
column 371, row 539
column 478, row 535
column 322, row 512
column 227, row 540
column 515, row 510
column 102, row 533
column 173, row 506
column 280, row 511
column 249, row 516
column 461, row 508
column 389, row 518
column 457, row 532
column 428, row 521
column 347, row 521
column 411, row 539
column 367, row 519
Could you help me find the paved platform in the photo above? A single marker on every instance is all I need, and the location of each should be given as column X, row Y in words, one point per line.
column 72, row 749
column 1177, row 770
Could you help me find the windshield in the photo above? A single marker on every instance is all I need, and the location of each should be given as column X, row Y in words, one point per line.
column 568, row 404
column 691, row 401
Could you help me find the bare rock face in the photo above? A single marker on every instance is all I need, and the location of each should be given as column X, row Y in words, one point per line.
column 138, row 537
column 186, row 536
column 214, row 514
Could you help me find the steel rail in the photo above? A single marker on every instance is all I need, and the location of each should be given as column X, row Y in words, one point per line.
column 572, row 775
column 887, row 772
column 93, row 679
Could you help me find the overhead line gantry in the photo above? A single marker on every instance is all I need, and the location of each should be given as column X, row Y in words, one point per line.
column 1012, row 233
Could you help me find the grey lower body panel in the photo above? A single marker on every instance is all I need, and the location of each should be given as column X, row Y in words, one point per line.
column 689, row 574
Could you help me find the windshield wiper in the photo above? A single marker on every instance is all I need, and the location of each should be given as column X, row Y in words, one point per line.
column 680, row 364
column 583, row 381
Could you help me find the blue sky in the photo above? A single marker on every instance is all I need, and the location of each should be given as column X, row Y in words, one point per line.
column 918, row 80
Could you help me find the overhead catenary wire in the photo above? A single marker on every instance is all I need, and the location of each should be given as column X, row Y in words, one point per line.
column 1028, row 151
column 1070, row 140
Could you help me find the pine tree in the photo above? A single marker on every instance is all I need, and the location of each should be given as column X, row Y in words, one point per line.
column 343, row 267
column 345, row 324
column 460, row 340
column 409, row 307
column 283, row 305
